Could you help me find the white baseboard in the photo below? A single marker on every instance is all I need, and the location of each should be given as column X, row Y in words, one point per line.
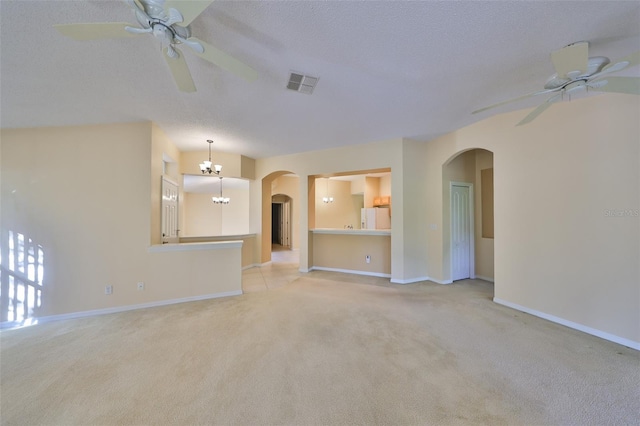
column 594, row 332
column 480, row 277
column 350, row 271
column 253, row 265
column 440, row 281
column 409, row 281
column 117, row 309
column 415, row 280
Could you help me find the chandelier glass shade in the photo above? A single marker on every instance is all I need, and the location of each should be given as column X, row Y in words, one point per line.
column 221, row 199
column 205, row 166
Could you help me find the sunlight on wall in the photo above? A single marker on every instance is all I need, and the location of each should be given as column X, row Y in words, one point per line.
column 22, row 273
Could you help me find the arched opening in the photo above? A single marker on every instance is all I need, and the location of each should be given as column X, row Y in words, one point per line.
column 280, row 223
column 468, row 240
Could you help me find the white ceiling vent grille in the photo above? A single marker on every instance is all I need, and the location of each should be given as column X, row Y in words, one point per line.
column 302, row 83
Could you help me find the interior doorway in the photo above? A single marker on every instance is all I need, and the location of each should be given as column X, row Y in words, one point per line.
column 169, row 218
column 462, row 241
column 276, row 223
column 281, row 220
column 281, row 187
column 467, row 221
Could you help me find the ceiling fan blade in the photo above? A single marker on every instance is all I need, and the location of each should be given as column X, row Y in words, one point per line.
column 633, row 59
column 189, row 9
column 138, row 8
column 541, row 92
column 574, row 57
column 627, row 85
column 541, row 108
column 94, row 31
column 226, row 61
column 179, row 70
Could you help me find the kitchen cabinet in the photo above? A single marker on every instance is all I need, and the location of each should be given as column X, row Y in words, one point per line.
column 383, row 200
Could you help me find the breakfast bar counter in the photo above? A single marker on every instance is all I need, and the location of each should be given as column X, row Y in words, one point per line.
column 355, row 251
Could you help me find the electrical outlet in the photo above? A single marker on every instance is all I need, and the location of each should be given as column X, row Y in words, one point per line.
column 108, row 289
column 140, row 285
column 367, row 259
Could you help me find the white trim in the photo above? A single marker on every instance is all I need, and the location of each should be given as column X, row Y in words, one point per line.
column 410, row 280
column 210, row 239
column 483, row 278
column 216, row 245
column 595, row 332
column 472, row 231
column 118, row 309
column 253, row 265
column 383, row 232
column 350, row 271
column 445, row 282
column 169, row 178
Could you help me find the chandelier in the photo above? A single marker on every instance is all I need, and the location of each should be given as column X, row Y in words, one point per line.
column 205, row 166
column 220, row 199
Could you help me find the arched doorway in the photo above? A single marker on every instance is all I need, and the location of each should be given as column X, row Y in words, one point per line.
column 280, row 193
column 468, row 240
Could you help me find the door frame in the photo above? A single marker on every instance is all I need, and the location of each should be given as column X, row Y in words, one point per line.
column 176, row 239
column 472, row 219
column 285, row 220
column 286, row 223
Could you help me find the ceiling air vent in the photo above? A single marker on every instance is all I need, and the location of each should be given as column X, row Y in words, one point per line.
column 302, row 83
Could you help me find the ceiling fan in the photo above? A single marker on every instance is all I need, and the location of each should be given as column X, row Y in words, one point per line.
column 576, row 71
column 169, row 21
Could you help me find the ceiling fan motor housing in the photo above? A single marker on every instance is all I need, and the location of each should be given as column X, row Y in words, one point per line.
column 595, row 65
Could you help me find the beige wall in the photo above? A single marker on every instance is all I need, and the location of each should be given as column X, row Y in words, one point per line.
column 561, row 247
column 556, row 250
column 233, row 165
column 371, row 190
column 95, row 224
column 345, row 208
column 248, row 243
column 407, row 227
column 380, row 155
column 484, row 258
column 348, row 253
column 202, row 217
column 385, row 185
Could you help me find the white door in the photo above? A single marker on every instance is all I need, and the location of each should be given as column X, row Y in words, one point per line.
column 461, row 233
column 169, row 212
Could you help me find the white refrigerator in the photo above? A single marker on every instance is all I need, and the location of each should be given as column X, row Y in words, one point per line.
column 375, row 218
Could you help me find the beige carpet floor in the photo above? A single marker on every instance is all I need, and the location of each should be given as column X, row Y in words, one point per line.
column 322, row 349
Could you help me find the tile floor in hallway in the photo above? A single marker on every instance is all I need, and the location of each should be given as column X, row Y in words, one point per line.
column 282, row 269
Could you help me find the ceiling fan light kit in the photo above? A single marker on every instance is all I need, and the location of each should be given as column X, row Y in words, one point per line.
column 576, row 71
column 161, row 18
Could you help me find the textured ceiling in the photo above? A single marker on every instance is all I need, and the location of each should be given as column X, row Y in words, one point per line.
column 387, row 69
